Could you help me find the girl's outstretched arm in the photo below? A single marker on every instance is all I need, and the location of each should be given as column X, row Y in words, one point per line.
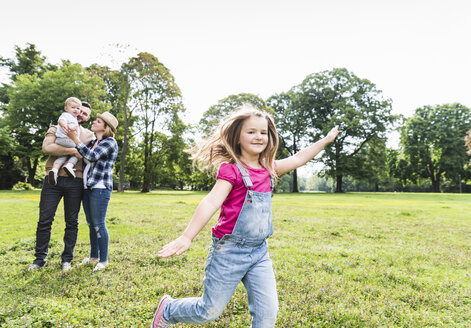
column 305, row 155
column 205, row 210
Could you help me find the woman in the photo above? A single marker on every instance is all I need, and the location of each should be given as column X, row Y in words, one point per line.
column 100, row 156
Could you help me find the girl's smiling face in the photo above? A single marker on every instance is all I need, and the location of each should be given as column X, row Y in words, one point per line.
column 253, row 136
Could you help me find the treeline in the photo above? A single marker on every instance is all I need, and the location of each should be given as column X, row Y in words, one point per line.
column 152, row 136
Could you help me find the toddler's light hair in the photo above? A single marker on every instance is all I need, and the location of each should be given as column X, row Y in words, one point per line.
column 467, row 142
column 74, row 100
column 223, row 145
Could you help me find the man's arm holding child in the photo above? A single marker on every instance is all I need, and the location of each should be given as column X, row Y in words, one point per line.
column 52, row 149
column 63, row 125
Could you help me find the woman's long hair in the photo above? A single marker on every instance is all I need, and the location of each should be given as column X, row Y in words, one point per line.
column 223, row 145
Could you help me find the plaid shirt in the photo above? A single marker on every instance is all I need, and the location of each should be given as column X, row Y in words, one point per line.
column 101, row 159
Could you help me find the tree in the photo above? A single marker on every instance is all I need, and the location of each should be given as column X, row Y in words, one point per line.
column 118, row 86
column 178, row 163
column 144, row 96
column 398, row 169
column 432, row 142
column 158, row 101
column 36, row 102
column 371, row 163
column 27, row 61
column 292, row 126
column 9, row 172
column 338, row 97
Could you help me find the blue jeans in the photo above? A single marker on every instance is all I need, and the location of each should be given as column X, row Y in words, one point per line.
column 229, row 262
column 95, row 204
column 71, row 190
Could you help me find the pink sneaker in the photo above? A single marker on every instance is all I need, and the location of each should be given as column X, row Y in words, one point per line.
column 159, row 321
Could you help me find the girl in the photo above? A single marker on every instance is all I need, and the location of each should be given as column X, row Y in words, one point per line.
column 100, row 156
column 243, row 148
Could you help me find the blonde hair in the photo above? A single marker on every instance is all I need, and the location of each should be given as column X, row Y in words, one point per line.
column 108, row 133
column 73, row 99
column 223, row 145
column 467, row 142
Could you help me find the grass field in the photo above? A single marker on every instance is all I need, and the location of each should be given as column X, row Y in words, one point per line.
column 346, row 260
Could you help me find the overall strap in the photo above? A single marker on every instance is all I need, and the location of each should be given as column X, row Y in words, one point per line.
column 245, row 176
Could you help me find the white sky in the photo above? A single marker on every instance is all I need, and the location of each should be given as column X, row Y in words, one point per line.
column 416, row 51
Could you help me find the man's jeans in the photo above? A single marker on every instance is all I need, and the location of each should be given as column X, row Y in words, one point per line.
column 72, row 190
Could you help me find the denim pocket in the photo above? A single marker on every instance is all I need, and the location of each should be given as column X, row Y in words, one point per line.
column 105, row 194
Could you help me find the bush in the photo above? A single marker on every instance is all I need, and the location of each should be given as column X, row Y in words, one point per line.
column 22, row 186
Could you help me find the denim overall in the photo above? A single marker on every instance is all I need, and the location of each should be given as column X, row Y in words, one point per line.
column 240, row 256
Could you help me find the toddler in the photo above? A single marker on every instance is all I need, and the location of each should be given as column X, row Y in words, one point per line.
column 66, row 122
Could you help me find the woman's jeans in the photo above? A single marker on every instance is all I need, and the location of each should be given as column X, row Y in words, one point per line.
column 95, row 204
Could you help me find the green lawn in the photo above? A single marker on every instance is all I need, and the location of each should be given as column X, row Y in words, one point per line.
column 347, row 260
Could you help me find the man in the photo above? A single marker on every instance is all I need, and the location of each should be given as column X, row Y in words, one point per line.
column 71, row 189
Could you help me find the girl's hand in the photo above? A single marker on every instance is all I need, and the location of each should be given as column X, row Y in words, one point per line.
column 332, row 134
column 176, row 247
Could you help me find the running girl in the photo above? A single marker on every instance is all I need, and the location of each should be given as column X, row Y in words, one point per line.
column 243, row 151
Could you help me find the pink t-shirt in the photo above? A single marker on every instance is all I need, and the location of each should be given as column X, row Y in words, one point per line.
column 232, row 206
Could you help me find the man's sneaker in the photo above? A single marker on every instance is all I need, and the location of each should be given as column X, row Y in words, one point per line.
column 33, row 267
column 52, row 178
column 70, row 170
column 159, row 321
column 66, row 266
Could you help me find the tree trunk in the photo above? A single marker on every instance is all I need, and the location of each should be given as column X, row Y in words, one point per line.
column 146, row 182
column 145, row 185
column 295, row 172
column 125, row 145
column 31, row 169
column 338, row 188
column 436, row 183
column 435, row 177
column 123, row 162
column 295, row 181
column 148, row 159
